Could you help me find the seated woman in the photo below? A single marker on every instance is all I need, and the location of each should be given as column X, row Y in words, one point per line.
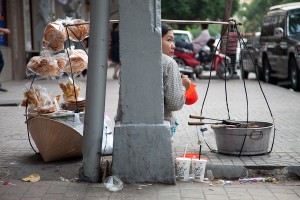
column 174, row 84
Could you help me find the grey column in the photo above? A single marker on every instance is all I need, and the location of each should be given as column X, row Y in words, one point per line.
column 142, row 146
column 95, row 91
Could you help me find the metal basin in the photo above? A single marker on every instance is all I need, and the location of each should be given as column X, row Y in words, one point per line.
column 244, row 141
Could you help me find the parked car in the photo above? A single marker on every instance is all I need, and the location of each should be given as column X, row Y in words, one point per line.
column 184, row 36
column 280, row 44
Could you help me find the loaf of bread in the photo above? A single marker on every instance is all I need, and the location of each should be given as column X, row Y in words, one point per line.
column 38, row 100
column 43, row 66
column 46, row 109
column 78, row 31
column 69, row 93
column 62, row 60
column 79, row 61
column 32, row 96
column 54, row 36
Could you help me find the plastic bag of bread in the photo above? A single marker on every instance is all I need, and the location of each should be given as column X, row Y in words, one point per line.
column 78, row 29
column 38, row 99
column 55, row 35
column 69, row 93
column 62, row 60
column 78, row 59
column 44, row 65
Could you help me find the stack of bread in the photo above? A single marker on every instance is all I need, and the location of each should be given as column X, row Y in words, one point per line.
column 71, row 97
column 53, row 62
column 74, row 105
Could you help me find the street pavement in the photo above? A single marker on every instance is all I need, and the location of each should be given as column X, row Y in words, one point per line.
column 59, row 180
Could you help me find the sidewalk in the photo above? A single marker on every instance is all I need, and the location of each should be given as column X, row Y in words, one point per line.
column 18, row 160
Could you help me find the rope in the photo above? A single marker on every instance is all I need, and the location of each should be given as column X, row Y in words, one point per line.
column 244, row 84
column 26, row 115
column 72, row 75
column 257, row 78
column 208, row 84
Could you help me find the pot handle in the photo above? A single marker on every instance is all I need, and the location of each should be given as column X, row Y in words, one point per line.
column 258, row 136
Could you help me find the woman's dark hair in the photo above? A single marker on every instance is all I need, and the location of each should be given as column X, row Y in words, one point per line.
column 165, row 28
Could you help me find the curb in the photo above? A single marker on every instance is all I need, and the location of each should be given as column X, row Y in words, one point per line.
column 10, row 103
column 234, row 172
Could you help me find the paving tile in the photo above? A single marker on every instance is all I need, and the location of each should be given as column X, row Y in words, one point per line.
column 54, row 196
column 35, row 191
column 285, row 196
column 260, row 192
column 216, row 197
column 164, row 196
column 214, row 191
column 192, row 193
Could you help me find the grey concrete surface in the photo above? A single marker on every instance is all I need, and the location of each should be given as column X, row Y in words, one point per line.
column 58, row 179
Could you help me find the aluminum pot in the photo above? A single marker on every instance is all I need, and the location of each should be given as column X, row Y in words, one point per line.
column 243, row 141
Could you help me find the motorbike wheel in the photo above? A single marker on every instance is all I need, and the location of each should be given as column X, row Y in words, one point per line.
column 180, row 62
column 224, row 72
column 181, row 65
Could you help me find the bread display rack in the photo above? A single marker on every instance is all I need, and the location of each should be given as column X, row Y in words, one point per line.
column 55, row 128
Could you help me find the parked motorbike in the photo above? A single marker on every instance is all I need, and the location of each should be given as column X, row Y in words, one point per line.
column 187, row 63
column 209, row 57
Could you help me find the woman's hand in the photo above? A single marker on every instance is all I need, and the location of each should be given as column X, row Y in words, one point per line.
column 185, row 81
column 5, row 30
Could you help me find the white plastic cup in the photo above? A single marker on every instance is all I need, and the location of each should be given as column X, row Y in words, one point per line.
column 183, row 168
column 198, row 169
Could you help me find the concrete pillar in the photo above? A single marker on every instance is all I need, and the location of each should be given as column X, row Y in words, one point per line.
column 142, row 144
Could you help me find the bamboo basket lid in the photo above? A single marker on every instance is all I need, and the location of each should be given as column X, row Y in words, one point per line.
column 55, row 140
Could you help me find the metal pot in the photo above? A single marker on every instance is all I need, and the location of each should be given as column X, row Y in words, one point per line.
column 243, row 141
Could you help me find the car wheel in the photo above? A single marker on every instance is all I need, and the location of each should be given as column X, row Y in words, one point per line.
column 244, row 73
column 223, row 71
column 258, row 73
column 267, row 72
column 295, row 74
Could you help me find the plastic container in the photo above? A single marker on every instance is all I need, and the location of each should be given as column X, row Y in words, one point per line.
column 192, row 155
column 191, row 95
column 113, row 183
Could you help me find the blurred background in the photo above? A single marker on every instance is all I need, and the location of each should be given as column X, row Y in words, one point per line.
column 27, row 19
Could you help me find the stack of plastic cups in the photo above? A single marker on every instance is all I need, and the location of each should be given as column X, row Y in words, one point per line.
column 198, row 169
column 183, row 168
